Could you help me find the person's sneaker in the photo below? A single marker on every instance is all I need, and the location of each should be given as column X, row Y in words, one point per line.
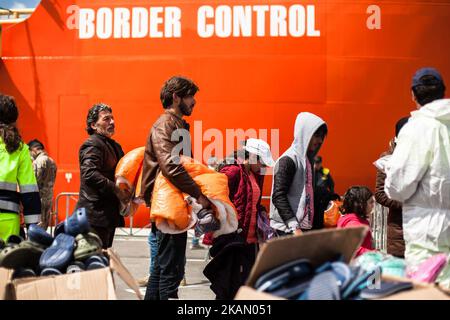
column 183, row 282
column 143, row 282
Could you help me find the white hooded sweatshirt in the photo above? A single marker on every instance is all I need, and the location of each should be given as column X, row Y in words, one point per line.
column 306, row 124
column 418, row 175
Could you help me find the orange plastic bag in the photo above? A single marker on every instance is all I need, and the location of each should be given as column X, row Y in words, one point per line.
column 171, row 212
column 139, row 183
column 332, row 214
column 168, row 204
column 130, row 165
column 128, row 175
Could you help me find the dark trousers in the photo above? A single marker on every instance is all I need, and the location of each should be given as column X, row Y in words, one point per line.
column 105, row 234
column 169, row 266
column 242, row 268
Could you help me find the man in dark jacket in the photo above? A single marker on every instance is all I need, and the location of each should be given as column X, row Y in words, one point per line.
column 162, row 154
column 98, row 156
column 323, row 191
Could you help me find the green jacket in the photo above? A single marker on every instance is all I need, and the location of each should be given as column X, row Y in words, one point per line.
column 18, row 184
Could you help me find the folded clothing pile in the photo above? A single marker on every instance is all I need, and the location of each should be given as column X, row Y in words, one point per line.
column 73, row 249
column 389, row 264
column 333, row 280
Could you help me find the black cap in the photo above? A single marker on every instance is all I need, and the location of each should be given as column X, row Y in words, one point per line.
column 418, row 78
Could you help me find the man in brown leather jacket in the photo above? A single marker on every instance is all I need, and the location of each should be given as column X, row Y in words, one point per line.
column 98, row 156
column 162, row 152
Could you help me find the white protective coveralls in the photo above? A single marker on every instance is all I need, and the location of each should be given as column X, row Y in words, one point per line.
column 418, row 175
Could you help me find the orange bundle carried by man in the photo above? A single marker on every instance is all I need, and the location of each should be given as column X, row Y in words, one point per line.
column 173, row 211
column 128, row 176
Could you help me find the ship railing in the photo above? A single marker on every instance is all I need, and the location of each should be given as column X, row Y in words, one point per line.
column 14, row 15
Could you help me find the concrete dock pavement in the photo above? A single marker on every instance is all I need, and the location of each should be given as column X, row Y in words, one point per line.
column 135, row 255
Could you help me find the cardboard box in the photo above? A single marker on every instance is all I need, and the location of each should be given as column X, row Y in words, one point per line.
column 421, row 291
column 319, row 247
column 87, row 285
column 5, row 276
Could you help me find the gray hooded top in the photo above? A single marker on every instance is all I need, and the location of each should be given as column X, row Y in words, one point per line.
column 306, row 125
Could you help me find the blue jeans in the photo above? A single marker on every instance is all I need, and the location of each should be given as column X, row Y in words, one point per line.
column 168, row 267
column 153, row 244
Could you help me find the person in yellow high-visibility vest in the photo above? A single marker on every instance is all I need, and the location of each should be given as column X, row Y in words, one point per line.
column 17, row 180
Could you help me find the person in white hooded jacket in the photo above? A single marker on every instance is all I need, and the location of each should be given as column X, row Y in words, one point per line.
column 418, row 173
column 292, row 200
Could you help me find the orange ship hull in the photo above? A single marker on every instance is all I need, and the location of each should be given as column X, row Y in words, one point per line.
column 347, row 61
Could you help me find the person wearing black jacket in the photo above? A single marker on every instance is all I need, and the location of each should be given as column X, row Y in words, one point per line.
column 98, row 157
column 323, row 192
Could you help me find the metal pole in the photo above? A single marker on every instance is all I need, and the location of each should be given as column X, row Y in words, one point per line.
column 131, row 225
column 67, row 205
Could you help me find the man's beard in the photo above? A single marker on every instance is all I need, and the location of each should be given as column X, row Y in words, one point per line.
column 106, row 132
column 185, row 110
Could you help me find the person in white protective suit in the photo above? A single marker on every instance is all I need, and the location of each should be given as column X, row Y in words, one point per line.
column 418, row 173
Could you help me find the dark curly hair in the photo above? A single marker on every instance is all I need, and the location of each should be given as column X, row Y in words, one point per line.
column 8, row 130
column 355, row 201
column 93, row 113
column 181, row 86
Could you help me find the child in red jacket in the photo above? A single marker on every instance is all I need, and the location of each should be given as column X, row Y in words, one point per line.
column 356, row 209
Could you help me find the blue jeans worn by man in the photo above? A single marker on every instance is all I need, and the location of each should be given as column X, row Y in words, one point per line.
column 153, row 245
column 168, row 267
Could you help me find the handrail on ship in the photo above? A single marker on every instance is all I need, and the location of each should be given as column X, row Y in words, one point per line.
column 15, row 13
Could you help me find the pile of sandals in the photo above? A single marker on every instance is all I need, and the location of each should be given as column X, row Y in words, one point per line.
column 73, row 249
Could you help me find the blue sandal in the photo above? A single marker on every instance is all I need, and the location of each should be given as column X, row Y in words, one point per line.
column 59, row 254
column 77, row 223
